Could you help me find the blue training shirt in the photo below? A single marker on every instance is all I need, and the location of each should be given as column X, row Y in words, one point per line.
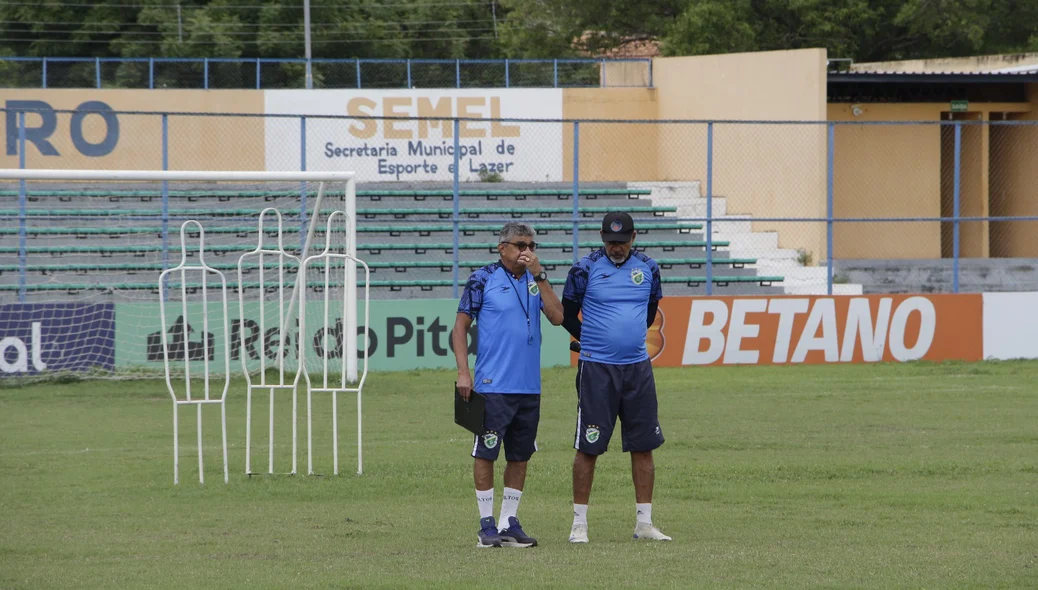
column 508, row 327
column 614, row 304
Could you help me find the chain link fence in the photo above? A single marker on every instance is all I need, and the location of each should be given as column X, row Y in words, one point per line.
column 728, row 207
column 1013, row 173
column 271, row 73
column 21, row 73
column 936, row 206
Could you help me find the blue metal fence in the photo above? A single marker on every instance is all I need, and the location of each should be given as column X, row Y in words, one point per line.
column 711, row 129
column 267, row 73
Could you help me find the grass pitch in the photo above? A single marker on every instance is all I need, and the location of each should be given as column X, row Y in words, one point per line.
column 878, row 476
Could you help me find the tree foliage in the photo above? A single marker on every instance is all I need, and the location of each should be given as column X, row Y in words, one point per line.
column 249, row 28
column 865, row 30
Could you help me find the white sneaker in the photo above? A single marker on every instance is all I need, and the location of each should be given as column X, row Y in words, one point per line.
column 578, row 534
column 649, row 532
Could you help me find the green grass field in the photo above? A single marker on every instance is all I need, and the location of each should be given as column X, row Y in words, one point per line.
column 882, row 476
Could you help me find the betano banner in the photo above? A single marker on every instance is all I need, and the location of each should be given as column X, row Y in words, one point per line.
column 843, row 329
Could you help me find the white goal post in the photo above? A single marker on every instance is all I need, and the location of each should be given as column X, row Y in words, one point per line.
column 97, row 213
column 315, row 221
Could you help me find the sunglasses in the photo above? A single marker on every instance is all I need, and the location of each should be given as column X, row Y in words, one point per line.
column 522, row 246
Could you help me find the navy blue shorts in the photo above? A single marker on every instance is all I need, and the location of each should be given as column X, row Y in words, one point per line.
column 510, row 420
column 607, row 392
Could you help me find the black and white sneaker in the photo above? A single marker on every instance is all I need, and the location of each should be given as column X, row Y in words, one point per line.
column 514, row 536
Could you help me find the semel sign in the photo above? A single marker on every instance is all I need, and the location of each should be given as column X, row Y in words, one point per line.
column 810, row 329
column 408, row 135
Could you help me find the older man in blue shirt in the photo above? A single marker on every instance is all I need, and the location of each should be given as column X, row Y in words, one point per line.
column 505, row 299
column 617, row 292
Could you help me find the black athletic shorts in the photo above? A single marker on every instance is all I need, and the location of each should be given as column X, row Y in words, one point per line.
column 510, row 419
column 606, row 392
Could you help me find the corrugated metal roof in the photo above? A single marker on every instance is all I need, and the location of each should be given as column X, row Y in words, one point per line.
column 1029, row 69
column 1016, row 75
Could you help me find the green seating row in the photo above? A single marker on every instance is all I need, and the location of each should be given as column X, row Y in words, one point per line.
column 47, row 213
column 148, row 193
column 145, row 248
column 400, row 265
column 361, row 228
column 393, row 284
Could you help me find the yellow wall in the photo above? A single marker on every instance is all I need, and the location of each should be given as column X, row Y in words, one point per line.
column 896, row 171
column 886, row 171
column 196, row 143
column 619, row 152
column 1014, row 183
column 625, row 74
column 763, row 170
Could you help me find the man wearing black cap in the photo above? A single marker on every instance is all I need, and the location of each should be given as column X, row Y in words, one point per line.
column 618, row 290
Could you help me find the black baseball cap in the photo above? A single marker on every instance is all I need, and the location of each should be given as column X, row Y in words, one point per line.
column 617, row 226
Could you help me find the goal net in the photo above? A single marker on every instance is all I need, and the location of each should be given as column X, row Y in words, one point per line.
column 81, row 253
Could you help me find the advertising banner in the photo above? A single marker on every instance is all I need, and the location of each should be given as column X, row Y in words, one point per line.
column 386, row 150
column 415, row 335
column 817, row 329
column 92, row 129
column 48, row 337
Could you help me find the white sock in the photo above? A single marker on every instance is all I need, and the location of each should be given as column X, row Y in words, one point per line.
column 644, row 513
column 485, row 501
column 580, row 514
column 509, row 506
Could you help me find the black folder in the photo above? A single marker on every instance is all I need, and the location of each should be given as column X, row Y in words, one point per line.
column 469, row 414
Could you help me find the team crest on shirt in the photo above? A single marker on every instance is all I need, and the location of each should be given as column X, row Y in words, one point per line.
column 591, row 434
column 490, row 440
column 533, row 288
column 637, row 276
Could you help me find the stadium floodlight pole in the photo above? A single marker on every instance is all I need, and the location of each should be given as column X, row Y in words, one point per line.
column 306, row 34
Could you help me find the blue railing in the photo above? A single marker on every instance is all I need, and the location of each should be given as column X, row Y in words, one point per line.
column 699, row 144
column 260, row 73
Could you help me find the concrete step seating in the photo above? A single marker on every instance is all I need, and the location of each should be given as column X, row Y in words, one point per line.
column 665, row 263
column 80, row 225
column 414, row 194
column 55, row 214
column 371, row 249
column 424, row 229
column 764, row 281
